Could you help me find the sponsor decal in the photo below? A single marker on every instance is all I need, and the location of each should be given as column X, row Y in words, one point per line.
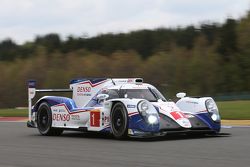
column 193, row 102
column 75, row 117
column 106, row 119
column 130, row 80
column 61, row 117
column 131, row 106
column 58, row 110
column 83, row 91
column 95, row 119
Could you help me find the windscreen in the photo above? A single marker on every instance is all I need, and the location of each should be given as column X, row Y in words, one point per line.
column 151, row 95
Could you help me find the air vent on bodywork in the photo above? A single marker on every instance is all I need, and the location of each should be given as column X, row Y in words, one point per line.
column 139, row 80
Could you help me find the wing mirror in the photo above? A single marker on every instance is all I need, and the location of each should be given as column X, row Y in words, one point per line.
column 180, row 95
column 102, row 96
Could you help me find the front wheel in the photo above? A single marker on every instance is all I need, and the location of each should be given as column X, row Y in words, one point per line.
column 119, row 121
column 44, row 121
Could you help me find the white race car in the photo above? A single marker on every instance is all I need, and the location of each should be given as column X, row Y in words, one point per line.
column 121, row 106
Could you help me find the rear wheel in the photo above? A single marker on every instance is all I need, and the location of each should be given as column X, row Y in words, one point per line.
column 44, row 121
column 119, row 121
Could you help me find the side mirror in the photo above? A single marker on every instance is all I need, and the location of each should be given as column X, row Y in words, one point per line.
column 102, row 96
column 180, row 95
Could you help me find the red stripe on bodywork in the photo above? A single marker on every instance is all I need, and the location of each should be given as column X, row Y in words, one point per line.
column 93, row 85
column 132, row 113
column 177, row 115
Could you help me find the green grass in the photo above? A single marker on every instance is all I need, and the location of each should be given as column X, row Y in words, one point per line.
column 228, row 109
column 234, row 109
column 13, row 112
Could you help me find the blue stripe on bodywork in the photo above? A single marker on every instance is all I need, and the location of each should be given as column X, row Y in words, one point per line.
column 136, row 122
column 205, row 117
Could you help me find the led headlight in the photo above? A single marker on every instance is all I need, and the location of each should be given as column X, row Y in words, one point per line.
column 152, row 119
column 213, row 110
column 148, row 112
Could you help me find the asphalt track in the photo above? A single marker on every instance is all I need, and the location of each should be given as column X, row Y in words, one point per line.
column 24, row 147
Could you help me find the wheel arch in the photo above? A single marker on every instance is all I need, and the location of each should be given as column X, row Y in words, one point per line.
column 117, row 101
column 38, row 103
column 114, row 102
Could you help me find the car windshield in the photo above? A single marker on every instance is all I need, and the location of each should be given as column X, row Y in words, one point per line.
column 149, row 94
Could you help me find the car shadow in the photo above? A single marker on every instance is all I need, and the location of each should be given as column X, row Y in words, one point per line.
column 107, row 136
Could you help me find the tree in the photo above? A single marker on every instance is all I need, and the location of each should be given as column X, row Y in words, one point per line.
column 8, row 50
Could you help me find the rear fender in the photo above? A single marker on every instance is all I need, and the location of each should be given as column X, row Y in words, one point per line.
column 54, row 100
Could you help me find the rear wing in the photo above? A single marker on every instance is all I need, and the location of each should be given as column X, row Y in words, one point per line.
column 32, row 92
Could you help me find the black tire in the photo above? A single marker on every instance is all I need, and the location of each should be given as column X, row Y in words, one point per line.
column 119, row 121
column 44, row 121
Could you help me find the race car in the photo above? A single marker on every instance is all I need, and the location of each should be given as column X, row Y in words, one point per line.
column 120, row 106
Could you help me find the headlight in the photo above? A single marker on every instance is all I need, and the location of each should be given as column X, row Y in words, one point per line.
column 213, row 110
column 143, row 106
column 148, row 112
column 152, row 119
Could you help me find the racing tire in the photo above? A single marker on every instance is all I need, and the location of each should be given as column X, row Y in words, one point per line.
column 44, row 121
column 119, row 121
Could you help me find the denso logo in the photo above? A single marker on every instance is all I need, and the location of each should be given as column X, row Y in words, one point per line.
column 83, row 89
column 61, row 117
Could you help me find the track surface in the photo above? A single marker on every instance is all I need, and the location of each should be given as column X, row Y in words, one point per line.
column 24, row 147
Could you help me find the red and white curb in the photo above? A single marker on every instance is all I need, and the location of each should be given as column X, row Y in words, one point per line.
column 13, row 119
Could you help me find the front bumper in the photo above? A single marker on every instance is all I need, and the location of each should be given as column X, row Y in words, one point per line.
column 201, row 124
column 141, row 134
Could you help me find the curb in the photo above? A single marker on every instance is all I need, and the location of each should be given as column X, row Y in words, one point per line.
column 235, row 122
column 13, row 119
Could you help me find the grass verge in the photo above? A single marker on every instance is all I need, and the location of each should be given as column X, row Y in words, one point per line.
column 13, row 112
column 234, row 110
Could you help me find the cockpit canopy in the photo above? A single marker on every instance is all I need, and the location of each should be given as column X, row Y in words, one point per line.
column 147, row 93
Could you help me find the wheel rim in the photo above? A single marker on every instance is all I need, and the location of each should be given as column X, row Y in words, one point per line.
column 43, row 120
column 118, row 120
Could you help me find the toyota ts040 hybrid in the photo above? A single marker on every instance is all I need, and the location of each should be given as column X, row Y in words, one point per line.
column 122, row 107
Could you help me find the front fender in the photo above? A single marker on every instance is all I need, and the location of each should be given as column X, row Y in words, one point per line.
column 197, row 106
column 192, row 105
